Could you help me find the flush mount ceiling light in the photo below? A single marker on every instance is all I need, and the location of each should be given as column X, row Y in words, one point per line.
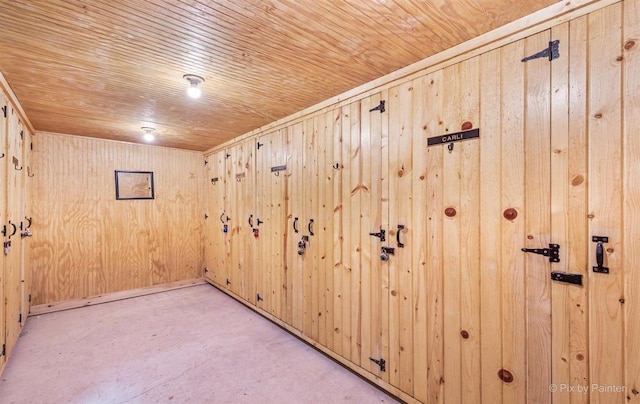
column 148, row 136
column 193, row 90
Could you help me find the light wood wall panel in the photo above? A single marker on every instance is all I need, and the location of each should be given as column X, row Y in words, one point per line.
column 461, row 313
column 631, row 169
column 85, row 242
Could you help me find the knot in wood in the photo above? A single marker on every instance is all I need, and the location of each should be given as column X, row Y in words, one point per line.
column 510, row 214
column 505, row 375
column 464, row 334
column 450, row 212
column 467, row 125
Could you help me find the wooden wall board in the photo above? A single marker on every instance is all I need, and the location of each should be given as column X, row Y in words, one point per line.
column 295, row 277
column 14, row 161
column 606, row 322
column 216, row 249
column 465, row 314
column 3, row 202
column 490, row 231
column 631, row 97
column 87, row 243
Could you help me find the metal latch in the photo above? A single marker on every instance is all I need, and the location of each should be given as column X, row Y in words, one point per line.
column 553, row 252
column 380, row 362
column 380, row 235
column 575, row 279
column 384, row 255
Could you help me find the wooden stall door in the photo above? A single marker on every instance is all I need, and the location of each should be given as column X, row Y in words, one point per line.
column 270, row 222
column 294, row 275
column 3, row 202
column 373, row 190
column 216, row 238
column 26, row 221
column 241, row 191
column 13, row 256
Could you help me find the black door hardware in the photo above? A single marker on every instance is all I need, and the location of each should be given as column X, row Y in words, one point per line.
column 225, row 228
column 380, row 362
column 260, row 145
column 228, row 282
column 302, row 244
column 310, row 228
column 259, row 298
column 384, row 255
column 295, row 221
column 222, row 218
column 575, row 279
column 400, row 227
column 260, row 222
column 28, row 220
column 553, row 252
column 214, row 180
column 336, row 166
column 380, row 235
column 250, row 220
column 15, row 229
column 7, row 247
column 551, row 52
column 599, row 240
column 380, row 107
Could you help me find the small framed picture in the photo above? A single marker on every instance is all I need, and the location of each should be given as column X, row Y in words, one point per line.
column 134, row 185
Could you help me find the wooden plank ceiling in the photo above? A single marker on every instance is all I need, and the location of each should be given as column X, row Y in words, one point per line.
column 106, row 68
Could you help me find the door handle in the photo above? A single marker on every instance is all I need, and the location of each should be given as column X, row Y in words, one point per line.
column 250, row 220
column 400, row 227
column 599, row 240
column 310, row 228
column 295, row 221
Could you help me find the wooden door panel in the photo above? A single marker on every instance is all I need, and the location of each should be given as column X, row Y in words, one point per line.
column 216, row 239
column 13, row 260
column 271, row 211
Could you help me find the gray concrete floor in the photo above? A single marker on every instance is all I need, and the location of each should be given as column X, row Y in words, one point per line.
column 193, row 345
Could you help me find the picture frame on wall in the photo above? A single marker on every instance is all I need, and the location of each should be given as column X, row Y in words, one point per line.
column 134, row 185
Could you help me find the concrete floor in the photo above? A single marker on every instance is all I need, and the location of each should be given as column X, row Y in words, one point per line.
column 193, row 345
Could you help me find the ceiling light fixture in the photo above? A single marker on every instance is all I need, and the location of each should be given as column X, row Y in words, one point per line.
column 148, row 136
column 193, row 90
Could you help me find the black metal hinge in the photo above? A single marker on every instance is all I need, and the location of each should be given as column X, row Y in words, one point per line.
column 21, row 135
column 259, row 298
column 29, row 298
column 552, row 52
column 4, row 111
column 553, row 252
column 206, row 216
column 20, row 318
column 227, row 156
column 31, row 145
column 228, row 282
column 380, row 235
column 4, row 349
column 380, row 362
column 260, row 145
column 380, row 107
column 206, row 270
column 206, row 162
column 574, row 279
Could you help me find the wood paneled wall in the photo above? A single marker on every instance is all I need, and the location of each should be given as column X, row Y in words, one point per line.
column 85, row 242
column 15, row 205
column 459, row 312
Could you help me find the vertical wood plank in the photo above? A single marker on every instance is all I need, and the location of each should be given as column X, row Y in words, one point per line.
column 338, row 302
column 3, row 201
column 631, row 97
column 419, row 110
column 295, row 279
column 490, row 231
column 355, row 239
column 434, row 268
column 470, row 274
column 606, row 327
column 452, row 162
column 537, row 143
column 384, row 224
column 512, row 197
column 400, row 213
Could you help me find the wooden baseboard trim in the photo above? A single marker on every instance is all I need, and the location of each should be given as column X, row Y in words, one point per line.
column 112, row 297
column 394, row 391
